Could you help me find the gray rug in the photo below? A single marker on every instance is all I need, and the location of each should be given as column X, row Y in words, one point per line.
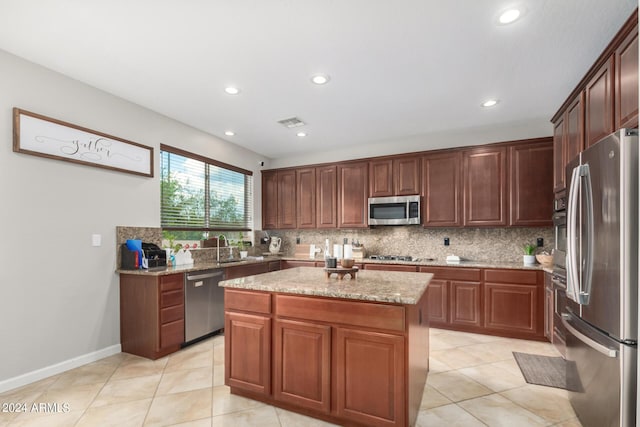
column 543, row 370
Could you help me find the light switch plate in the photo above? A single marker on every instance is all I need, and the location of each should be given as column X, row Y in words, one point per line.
column 96, row 240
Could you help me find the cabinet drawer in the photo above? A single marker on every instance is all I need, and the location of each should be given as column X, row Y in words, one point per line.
column 390, row 267
column 172, row 334
column 453, row 273
column 511, row 276
column 257, row 302
column 171, row 314
column 376, row 316
column 171, row 298
column 172, row 282
column 274, row 266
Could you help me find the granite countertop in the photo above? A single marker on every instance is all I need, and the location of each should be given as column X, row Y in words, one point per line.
column 163, row 271
column 378, row 286
column 439, row 263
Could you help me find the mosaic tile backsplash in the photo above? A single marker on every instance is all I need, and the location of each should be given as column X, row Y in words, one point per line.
column 474, row 244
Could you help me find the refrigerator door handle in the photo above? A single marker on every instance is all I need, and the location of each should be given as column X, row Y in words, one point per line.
column 572, row 213
column 584, row 288
column 585, row 339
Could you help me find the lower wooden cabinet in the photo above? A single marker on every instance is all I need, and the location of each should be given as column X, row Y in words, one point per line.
column 392, row 267
column 465, row 304
column 246, row 270
column 302, row 369
column 503, row 302
column 151, row 314
column 248, row 352
column 370, row 377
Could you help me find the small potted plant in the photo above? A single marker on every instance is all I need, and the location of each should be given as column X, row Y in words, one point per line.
column 529, row 257
column 241, row 246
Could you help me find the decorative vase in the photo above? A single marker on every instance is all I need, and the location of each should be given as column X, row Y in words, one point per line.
column 529, row 259
column 243, row 254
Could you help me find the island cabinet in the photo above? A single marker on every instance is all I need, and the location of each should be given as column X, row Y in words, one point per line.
column 349, row 362
column 151, row 314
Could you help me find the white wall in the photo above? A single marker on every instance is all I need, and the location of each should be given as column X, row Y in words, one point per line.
column 59, row 297
column 435, row 141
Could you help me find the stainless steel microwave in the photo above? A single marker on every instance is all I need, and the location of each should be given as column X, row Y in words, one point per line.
column 400, row 210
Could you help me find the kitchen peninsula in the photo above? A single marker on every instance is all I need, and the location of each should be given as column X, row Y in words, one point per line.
column 352, row 351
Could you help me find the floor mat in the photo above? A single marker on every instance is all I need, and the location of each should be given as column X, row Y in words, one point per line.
column 542, row 370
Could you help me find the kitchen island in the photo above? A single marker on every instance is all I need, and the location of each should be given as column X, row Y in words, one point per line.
column 353, row 351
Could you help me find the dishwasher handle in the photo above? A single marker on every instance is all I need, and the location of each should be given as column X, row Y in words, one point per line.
column 204, row 275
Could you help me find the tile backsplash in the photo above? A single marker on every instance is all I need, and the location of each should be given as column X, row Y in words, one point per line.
column 476, row 244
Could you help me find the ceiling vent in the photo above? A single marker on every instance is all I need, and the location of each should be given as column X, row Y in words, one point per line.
column 292, row 122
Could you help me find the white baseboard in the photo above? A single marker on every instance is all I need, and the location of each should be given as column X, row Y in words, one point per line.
column 66, row 365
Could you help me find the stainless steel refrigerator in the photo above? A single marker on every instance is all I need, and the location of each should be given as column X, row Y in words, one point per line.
column 601, row 316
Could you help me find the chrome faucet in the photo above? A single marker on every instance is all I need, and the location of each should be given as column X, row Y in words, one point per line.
column 218, row 245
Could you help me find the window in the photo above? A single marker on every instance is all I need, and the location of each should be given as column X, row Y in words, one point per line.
column 199, row 195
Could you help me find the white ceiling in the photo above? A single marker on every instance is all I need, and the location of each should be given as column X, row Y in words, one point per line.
column 399, row 68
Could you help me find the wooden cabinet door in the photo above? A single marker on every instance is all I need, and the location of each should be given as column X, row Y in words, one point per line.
column 531, row 179
column 287, row 199
column 438, row 300
column 247, row 340
column 485, row 187
column 306, row 198
column 327, row 197
column 574, row 141
column 406, row 176
column 269, row 200
column 626, row 82
column 236, row 271
column 465, row 309
column 302, row 370
column 558, row 154
column 353, row 195
column 381, row 178
column 599, row 105
column 442, row 190
column 370, row 369
column 512, row 307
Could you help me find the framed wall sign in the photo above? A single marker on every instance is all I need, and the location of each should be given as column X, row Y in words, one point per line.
column 46, row 137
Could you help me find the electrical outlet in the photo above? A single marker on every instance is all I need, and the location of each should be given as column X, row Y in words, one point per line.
column 297, row 240
column 540, row 242
column 446, row 241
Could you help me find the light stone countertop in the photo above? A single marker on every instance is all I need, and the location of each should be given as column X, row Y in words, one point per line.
column 379, row 286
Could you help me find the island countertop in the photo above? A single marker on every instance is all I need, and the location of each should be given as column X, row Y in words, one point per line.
column 370, row 285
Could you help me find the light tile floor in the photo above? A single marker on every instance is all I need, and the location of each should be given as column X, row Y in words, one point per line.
column 473, row 381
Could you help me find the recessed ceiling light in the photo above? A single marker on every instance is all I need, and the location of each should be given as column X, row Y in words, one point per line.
column 232, row 90
column 229, row 133
column 301, row 134
column 320, row 79
column 509, row 16
column 490, row 102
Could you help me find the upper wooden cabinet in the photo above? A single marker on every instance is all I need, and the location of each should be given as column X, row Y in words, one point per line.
column 353, row 195
column 306, row 198
column 442, row 189
column 287, row 199
column 381, row 178
column 606, row 99
column 626, row 82
column 399, row 176
column 531, row 191
column 485, row 185
column 327, row 197
column 269, row 200
column 599, row 105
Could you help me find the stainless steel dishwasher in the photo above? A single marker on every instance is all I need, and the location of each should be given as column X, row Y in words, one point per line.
column 204, row 304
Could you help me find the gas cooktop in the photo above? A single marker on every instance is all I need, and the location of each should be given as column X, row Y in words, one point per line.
column 391, row 257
